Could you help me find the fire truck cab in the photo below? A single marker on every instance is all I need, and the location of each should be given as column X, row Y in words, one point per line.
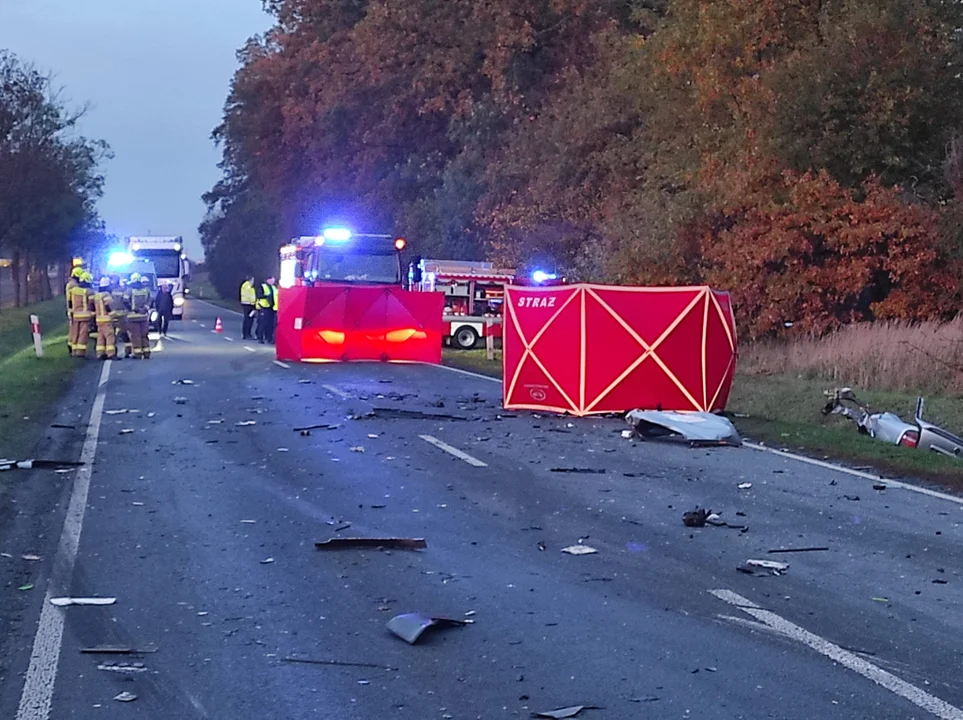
column 474, row 294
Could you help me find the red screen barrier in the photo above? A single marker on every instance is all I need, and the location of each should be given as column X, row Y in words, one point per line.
column 350, row 323
column 593, row 349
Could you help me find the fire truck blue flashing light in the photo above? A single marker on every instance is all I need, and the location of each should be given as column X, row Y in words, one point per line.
column 540, row 276
column 336, row 234
column 119, row 259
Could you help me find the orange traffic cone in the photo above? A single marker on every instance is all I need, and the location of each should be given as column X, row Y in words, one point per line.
column 218, row 328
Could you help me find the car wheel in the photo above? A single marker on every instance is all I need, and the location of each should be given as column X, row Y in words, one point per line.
column 466, row 338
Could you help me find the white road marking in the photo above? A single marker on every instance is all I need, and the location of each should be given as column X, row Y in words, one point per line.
column 847, row 659
column 203, row 325
column 229, row 339
column 218, row 307
column 281, row 364
column 857, row 473
column 249, row 348
column 474, row 462
column 468, row 373
column 334, row 391
column 38, row 684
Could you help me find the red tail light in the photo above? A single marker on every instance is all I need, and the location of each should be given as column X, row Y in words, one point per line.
column 910, row 439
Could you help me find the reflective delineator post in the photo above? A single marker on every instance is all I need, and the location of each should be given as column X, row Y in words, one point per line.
column 489, row 342
column 37, row 339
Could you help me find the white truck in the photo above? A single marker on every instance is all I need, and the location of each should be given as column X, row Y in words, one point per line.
column 166, row 253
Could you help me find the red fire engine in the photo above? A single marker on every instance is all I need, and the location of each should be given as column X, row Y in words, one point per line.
column 474, row 292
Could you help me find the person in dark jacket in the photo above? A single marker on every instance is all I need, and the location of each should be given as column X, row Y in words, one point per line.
column 164, row 302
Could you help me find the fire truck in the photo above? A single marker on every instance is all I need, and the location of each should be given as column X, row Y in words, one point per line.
column 474, row 292
column 342, row 299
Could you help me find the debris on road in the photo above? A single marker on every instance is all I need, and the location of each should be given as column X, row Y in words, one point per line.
column 852, row 498
column 879, row 486
column 338, row 663
column 65, row 601
column 581, row 471
column 6, row 465
column 763, row 567
column 568, row 712
column 116, row 650
column 248, row 522
column 744, row 486
column 120, row 412
column 246, row 423
column 59, row 426
column 25, row 588
column 799, row 550
column 399, row 414
column 30, row 558
column 344, row 543
column 182, row 382
column 127, row 431
column 628, row 434
column 267, row 561
column 579, row 550
column 696, row 518
column 215, row 422
column 123, row 668
column 125, row 697
column 323, row 426
column 696, row 428
column 410, row 626
column 180, row 401
column 358, row 449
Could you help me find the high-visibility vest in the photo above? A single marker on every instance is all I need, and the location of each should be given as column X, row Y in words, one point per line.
column 103, row 304
column 274, row 292
column 266, row 301
column 118, row 305
column 80, row 303
column 139, row 304
column 71, row 284
column 248, row 293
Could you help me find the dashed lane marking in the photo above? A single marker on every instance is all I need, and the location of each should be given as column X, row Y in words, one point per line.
column 474, row 462
column 281, row 364
column 38, row 685
column 898, row 686
column 335, row 391
column 229, row 339
column 249, row 348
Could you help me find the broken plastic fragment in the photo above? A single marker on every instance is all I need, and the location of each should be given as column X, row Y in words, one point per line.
column 358, row 449
column 745, row 485
column 246, row 423
column 409, row 627
column 561, row 713
column 65, row 601
column 127, row 431
column 125, row 697
column 346, row 543
column 579, row 550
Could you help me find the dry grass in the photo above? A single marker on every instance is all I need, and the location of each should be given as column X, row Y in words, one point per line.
column 924, row 357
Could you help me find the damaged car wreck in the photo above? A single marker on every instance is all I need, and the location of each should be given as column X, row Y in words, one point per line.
column 890, row 428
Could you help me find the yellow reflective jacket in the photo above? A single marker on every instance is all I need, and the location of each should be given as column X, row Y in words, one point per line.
column 79, row 298
column 103, row 304
column 139, row 304
column 248, row 293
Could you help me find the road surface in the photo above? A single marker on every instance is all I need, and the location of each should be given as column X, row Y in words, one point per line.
column 202, row 523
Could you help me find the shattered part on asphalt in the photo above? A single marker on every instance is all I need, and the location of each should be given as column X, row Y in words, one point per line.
column 697, row 428
column 180, row 401
column 343, row 543
column 410, row 626
column 696, row 518
column 65, row 601
column 799, row 550
column 245, row 423
column 116, row 650
column 7, row 465
column 125, row 697
column 323, row 426
column 567, row 712
column 763, row 567
column 578, row 470
column 579, row 550
column 398, row 414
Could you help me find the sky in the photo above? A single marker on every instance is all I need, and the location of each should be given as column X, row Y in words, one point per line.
column 156, row 74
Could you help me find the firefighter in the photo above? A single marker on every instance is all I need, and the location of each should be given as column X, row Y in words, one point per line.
column 140, row 302
column 120, row 296
column 79, row 298
column 103, row 306
column 265, row 312
column 72, row 282
column 248, row 302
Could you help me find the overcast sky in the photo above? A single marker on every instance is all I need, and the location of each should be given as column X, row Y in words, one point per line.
column 156, row 73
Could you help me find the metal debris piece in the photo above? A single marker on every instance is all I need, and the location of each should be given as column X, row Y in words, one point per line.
column 697, row 428
column 6, row 465
column 410, row 626
column 116, row 650
column 324, row 426
column 745, row 485
column 215, row 422
column 567, row 712
column 120, row 412
column 30, row 558
column 246, row 423
column 338, row 663
column 936, row 438
column 358, row 449
column 65, row 601
column 763, row 567
column 125, row 697
column 879, row 486
column 59, row 426
column 696, row 518
column 628, row 434
column 25, row 588
column 180, row 401
column 799, row 550
column 127, row 431
column 347, row 543
column 267, row 561
column 579, row 550
column 399, row 414
column 123, row 668
column 182, row 382
column 581, row 471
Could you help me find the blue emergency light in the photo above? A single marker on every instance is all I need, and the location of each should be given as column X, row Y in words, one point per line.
column 119, row 259
column 337, row 234
column 540, row 276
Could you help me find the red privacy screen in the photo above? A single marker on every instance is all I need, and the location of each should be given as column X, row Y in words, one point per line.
column 584, row 349
column 353, row 323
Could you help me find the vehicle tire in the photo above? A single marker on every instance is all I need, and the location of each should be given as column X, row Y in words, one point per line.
column 465, row 338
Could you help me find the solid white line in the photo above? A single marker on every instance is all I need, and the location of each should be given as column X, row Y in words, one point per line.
column 474, row 462
column 281, row 364
column 38, row 685
column 249, row 348
column 334, row 391
column 857, row 473
column 468, row 373
column 898, row 686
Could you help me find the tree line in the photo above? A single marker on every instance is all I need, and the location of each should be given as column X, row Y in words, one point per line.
column 49, row 179
column 806, row 156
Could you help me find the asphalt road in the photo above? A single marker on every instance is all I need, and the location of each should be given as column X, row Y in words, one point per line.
column 204, row 530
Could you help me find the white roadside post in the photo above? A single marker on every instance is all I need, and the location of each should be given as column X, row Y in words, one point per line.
column 489, row 341
column 37, row 340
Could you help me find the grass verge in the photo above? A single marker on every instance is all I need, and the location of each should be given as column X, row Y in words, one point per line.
column 784, row 411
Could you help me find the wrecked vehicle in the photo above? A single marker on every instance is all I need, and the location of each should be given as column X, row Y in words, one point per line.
column 696, row 428
column 892, row 429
